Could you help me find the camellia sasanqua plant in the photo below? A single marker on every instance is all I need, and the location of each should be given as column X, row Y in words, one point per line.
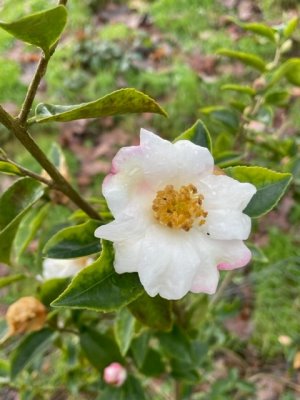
column 124, row 310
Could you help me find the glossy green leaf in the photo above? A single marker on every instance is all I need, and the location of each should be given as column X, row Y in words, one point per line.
column 10, row 169
column 246, row 58
column 32, row 344
column 289, row 70
column 153, row 364
column 99, row 349
column 227, row 158
column 290, row 27
column 51, row 289
column 74, row 241
column 14, row 204
column 227, row 117
column 260, row 29
column 184, row 371
column 197, row 134
column 139, row 348
column 18, row 197
column 124, row 329
column 98, row 287
column 154, row 312
column 28, row 228
column 121, row 101
column 8, row 280
column 176, row 344
column 41, row 29
column 277, row 98
column 130, row 390
column 257, row 254
column 4, row 371
column 270, row 185
column 239, row 89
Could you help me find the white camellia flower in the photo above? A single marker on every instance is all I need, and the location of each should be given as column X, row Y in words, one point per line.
column 61, row 268
column 176, row 222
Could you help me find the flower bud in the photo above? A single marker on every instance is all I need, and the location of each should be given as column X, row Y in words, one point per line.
column 26, row 315
column 115, row 374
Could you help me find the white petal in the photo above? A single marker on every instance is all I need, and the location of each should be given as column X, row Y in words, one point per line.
column 121, row 229
column 179, row 164
column 206, row 280
column 168, row 263
column 231, row 254
column 223, row 192
column 60, row 268
column 127, row 255
column 227, row 224
column 192, row 161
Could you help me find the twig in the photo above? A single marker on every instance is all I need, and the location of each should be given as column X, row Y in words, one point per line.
column 38, row 76
column 60, row 182
column 31, row 174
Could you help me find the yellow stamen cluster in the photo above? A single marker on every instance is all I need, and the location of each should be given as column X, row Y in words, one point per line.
column 179, row 209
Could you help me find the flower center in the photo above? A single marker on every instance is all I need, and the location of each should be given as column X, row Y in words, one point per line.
column 179, row 209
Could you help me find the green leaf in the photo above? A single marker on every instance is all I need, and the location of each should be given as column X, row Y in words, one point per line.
column 154, row 312
column 289, row 70
column 75, row 241
column 18, row 197
column 10, row 169
column 277, row 98
column 4, row 372
column 227, row 117
column 246, row 58
column 176, row 344
column 8, row 280
column 184, row 371
column 239, row 88
column 31, row 345
column 121, row 101
column 14, row 204
column 51, row 289
column 197, row 134
column 98, row 287
column 259, row 28
column 124, row 329
column 227, row 158
column 28, row 228
column 139, row 348
column 130, row 390
column 41, row 29
column 99, row 349
column 153, row 364
column 291, row 27
column 270, row 186
column 257, row 254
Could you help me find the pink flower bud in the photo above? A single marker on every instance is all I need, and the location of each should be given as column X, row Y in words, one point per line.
column 115, row 374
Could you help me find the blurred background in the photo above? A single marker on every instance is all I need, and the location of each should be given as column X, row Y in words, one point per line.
column 167, row 49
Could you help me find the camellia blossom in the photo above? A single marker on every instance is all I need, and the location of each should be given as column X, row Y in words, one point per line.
column 177, row 222
column 115, row 374
column 63, row 268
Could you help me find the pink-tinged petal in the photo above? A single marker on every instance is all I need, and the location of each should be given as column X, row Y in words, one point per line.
column 227, row 225
column 119, row 230
column 206, row 279
column 223, row 192
column 232, row 254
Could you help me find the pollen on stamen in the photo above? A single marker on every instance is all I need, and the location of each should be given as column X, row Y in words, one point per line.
column 179, row 209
